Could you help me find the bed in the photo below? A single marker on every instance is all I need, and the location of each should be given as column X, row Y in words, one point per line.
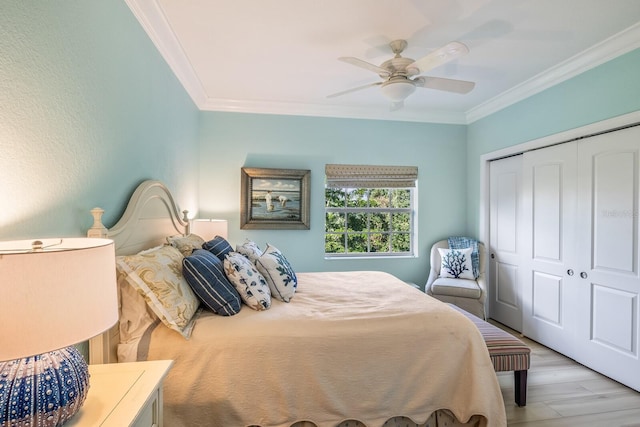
column 350, row 349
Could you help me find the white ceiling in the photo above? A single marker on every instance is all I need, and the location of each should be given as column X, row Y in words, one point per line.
column 280, row 56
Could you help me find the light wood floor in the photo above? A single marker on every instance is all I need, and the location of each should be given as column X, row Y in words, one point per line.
column 564, row 393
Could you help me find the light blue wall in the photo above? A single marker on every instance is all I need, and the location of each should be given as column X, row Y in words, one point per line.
column 229, row 141
column 607, row 91
column 88, row 109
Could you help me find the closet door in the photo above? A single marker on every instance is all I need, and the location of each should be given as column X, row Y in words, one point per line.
column 505, row 303
column 609, row 276
column 548, row 261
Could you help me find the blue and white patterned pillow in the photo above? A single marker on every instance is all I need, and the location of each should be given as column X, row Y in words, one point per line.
column 205, row 274
column 456, row 263
column 248, row 281
column 280, row 276
column 219, row 246
column 249, row 249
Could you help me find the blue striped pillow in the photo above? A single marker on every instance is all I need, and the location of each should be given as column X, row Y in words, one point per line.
column 205, row 274
column 219, row 246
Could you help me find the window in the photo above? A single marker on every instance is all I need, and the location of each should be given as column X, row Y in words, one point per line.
column 370, row 211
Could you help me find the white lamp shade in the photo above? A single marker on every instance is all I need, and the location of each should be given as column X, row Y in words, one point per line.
column 210, row 228
column 55, row 297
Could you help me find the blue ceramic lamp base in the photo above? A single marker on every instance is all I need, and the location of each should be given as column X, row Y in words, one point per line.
column 44, row 390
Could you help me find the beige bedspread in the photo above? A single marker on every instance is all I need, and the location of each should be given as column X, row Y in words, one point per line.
column 349, row 345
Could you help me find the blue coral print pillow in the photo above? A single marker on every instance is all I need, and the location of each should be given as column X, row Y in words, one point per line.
column 456, row 263
column 277, row 271
column 248, row 281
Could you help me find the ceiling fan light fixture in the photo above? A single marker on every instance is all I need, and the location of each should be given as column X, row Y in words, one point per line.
column 398, row 90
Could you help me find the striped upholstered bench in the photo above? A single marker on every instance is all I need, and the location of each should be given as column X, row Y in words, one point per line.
column 507, row 353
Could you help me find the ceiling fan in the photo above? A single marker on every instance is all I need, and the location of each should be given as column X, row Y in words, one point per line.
column 401, row 75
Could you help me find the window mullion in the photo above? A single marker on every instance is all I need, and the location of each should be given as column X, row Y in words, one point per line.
column 365, row 208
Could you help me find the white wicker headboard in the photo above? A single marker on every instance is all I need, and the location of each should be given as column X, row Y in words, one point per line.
column 150, row 216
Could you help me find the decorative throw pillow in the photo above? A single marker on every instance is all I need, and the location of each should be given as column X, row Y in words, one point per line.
column 456, row 263
column 219, row 246
column 157, row 275
column 248, row 281
column 249, row 249
column 205, row 274
column 186, row 244
column 136, row 317
column 277, row 271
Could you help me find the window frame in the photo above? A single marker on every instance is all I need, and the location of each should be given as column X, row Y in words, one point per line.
column 411, row 210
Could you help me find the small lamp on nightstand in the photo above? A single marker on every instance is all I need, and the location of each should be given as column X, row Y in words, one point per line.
column 53, row 293
column 210, row 228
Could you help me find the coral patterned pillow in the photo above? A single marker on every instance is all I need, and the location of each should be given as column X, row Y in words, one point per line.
column 456, row 263
column 277, row 271
column 248, row 281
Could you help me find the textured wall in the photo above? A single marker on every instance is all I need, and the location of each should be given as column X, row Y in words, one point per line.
column 607, row 91
column 88, row 108
column 230, row 141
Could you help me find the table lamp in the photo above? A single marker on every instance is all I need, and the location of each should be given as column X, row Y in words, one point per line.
column 53, row 293
column 210, row 228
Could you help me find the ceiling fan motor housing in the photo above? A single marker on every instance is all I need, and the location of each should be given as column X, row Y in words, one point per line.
column 398, row 66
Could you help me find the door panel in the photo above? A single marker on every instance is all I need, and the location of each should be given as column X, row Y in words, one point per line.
column 613, row 192
column 507, row 291
column 547, row 215
column 549, row 206
column 609, row 281
column 547, row 301
column 613, row 319
column 504, row 297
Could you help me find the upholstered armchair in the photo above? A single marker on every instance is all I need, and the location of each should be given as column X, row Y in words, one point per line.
column 468, row 294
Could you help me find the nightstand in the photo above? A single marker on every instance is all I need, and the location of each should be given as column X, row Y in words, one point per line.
column 124, row 394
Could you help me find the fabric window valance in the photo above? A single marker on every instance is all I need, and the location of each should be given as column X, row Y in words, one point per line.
column 370, row 176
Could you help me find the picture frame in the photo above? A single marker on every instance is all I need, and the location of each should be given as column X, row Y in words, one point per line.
column 274, row 199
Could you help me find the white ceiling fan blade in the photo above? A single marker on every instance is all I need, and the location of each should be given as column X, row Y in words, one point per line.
column 333, row 95
column 447, row 85
column 439, row 57
column 364, row 64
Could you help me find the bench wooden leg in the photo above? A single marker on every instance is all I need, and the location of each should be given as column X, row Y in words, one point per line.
column 520, row 386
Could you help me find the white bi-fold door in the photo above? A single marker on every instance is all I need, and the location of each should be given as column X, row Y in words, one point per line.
column 578, row 265
column 505, row 216
column 548, row 261
column 607, row 277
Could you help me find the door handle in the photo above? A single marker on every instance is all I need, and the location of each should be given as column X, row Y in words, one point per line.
column 570, row 272
column 583, row 275
column 493, row 256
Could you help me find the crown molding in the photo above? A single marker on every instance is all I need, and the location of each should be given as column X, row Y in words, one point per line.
column 154, row 22
column 616, row 45
column 317, row 110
